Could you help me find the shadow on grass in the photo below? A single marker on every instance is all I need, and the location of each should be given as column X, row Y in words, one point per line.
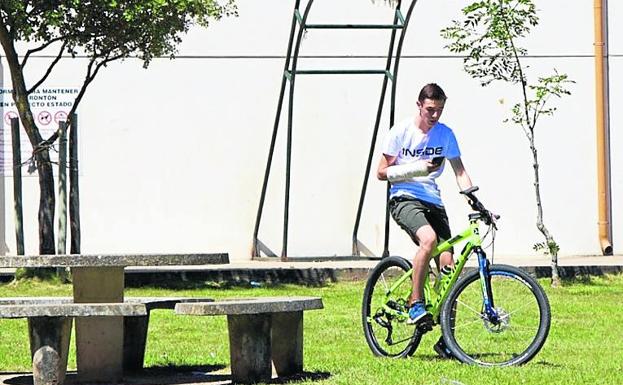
column 436, row 358
column 548, row 364
column 204, row 374
column 172, row 375
column 304, row 376
column 228, row 277
column 156, row 375
column 587, row 280
column 184, row 374
column 228, row 280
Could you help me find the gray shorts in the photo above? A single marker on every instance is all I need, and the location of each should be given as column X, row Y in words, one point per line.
column 411, row 214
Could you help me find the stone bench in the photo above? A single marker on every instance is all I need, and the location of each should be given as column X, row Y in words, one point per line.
column 100, row 278
column 134, row 327
column 260, row 329
column 49, row 329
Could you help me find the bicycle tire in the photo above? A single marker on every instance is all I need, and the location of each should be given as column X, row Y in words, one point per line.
column 523, row 308
column 388, row 335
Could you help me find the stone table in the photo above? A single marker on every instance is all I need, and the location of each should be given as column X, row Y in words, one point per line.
column 100, row 279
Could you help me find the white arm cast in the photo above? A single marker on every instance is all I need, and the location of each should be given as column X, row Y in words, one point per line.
column 406, row 171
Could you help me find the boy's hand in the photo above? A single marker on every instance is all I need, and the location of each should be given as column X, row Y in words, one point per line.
column 434, row 164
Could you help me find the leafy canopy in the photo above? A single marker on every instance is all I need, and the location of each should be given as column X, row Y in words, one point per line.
column 109, row 28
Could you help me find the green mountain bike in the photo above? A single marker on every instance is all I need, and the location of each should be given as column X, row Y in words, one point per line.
column 497, row 315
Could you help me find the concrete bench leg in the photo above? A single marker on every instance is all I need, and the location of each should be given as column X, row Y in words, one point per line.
column 134, row 341
column 287, row 342
column 49, row 346
column 99, row 340
column 249, row 347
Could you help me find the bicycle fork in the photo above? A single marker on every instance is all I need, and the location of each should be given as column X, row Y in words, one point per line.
column 488, row 312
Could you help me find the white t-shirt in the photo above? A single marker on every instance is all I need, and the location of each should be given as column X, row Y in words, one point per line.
column 409, row 144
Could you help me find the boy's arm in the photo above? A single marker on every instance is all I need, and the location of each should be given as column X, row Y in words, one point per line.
column 386, row 161
column 388, row 170
column 462, row 178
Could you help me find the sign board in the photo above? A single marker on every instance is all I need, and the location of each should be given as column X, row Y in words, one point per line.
column 49, row 106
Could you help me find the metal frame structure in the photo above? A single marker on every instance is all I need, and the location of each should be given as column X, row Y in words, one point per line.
column 299, row 26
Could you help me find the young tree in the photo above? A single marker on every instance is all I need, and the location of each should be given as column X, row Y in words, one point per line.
column 488, row 37
column 101, row 30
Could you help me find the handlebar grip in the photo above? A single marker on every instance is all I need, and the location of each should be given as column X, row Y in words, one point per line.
column 470, row 190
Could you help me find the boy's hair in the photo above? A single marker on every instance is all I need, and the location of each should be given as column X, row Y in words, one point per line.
column 432, row 91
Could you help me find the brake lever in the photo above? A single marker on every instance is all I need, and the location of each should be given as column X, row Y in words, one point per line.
column 494, row 219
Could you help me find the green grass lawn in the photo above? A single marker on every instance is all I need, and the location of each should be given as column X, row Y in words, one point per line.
column 585, row 344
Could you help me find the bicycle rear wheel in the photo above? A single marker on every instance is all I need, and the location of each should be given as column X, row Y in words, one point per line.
column 384, row 311
column 518, row 333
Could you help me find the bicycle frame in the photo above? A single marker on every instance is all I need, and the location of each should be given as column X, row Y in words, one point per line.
column 434, row 299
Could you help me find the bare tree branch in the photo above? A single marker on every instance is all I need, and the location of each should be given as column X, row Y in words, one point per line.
column 49, row 70
column 91, row 76
column 41, row 48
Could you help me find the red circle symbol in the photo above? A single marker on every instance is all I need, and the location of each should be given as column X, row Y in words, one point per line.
column 60, row 116
column 10, row 115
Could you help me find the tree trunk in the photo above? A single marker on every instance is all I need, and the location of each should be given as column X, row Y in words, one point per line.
column 550, row 243
column 17, row 186
column 41, row 155
column 46, row 217
column 46, row 203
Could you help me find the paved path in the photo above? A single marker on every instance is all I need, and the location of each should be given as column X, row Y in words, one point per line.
column 524, row 261
column 245, row 272
column 584, row 263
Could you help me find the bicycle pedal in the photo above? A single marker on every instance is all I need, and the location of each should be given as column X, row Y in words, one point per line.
column 425, row 324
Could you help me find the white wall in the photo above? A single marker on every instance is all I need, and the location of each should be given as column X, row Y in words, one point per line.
column 173, row 157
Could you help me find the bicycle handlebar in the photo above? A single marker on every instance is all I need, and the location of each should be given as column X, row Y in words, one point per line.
column 487, row 216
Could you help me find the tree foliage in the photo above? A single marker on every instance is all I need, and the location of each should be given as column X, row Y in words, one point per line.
column 104, row 30
column 488, row 37
column 100, row 30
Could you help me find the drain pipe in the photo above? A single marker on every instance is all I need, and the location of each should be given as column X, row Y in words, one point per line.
column 603, row 161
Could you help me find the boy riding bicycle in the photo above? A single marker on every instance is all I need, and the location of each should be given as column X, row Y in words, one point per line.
column 413, row 157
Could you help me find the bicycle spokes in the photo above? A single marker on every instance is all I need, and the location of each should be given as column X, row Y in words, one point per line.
column 510, row 333
column 385, row 310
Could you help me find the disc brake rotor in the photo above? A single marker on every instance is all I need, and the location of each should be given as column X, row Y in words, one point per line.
column 501, row 323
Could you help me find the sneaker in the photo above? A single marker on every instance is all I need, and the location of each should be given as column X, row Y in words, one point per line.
column 442, row 350
column 416, row 312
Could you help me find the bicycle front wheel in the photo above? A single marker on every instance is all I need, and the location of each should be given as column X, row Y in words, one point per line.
column 517, row 331
column 384, row 310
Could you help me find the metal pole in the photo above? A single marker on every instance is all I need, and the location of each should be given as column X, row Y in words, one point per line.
column 286, row 211
column 601, row 103
column 62, row 188
column 74, row 192
column 392, row 112
column 17, row 186
column 377, row 122
column 256, row 252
